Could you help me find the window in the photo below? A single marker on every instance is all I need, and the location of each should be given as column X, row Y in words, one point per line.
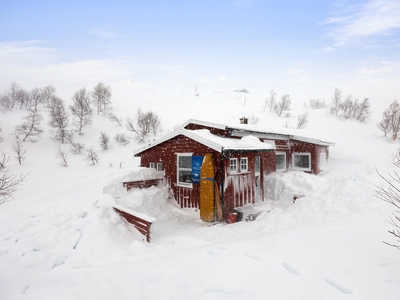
column 159, row 167
column 301, row 161
column 280, row 161
column 233, row 165
column 243, row 164
column 184, row 169
column 152, row 165
column 322, row 161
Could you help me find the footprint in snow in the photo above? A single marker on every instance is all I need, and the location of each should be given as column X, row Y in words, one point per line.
column 24, row 289
column 290, row 269
column 254, row 257
column 337, row 286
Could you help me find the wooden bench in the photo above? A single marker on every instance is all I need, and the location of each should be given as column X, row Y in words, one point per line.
column 141, row 184
column 142, row 222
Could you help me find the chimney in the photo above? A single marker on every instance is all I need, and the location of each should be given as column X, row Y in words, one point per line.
column 243, row 120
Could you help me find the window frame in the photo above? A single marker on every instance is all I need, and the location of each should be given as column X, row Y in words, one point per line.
column 246, row 169
column 152, row 165
column 301, row 168
column 158, row 166
column 233, row 159
column 284, row 160
column 178, row 169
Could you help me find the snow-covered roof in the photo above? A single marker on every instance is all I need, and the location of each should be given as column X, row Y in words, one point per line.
column 217, row 143
column 281, row 133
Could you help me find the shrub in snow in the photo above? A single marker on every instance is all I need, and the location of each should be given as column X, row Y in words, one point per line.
column 121, row 139
column 390, row 123
column 104, row 140
column 317, row 104
column 76, row 148
column 62, row 156
column 350, row 109
column 302, row 120
column 91, row 156
column 18, row 150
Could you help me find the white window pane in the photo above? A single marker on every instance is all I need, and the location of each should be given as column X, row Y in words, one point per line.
column 302, row 161
column 280, row 161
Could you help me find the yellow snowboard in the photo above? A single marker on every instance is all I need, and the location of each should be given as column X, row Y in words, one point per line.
column 207, row 192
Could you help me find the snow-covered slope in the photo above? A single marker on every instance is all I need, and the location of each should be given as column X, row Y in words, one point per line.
column 60, row 238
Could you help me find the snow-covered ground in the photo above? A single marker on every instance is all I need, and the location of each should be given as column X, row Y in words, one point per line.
column 60, row 238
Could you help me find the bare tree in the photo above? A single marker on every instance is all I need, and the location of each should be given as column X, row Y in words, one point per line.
column 92, row 156
column 384, row 125
column 4, row 159
column 19, row 150
column 113, row 118
column 271, row 100
column 391, row 195
column 302, row 120
column 22, row 98
column 59, row 119
column 76, row 148
column 347, row 108
column 336, row 102
column 9, row 184
column 5, row 102
column 104, row 140
column 130, row 125
column 283, row 105
column 391, row 120
column 48, row 93
column 30, row 127
column 101, row 96
column 62, row 156
column 35, row 98
column 144, row 124
column 81, row 110
column 12, row 93
column 362, row 110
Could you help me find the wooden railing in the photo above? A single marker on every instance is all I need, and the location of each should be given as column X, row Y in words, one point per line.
column 141, row 184
column 142, row 222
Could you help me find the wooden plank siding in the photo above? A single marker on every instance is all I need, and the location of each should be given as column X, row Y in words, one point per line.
column 314, row 150
column 166, row 153
column 142, row 225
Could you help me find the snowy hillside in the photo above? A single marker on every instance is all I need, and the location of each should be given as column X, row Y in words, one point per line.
column 60, row 238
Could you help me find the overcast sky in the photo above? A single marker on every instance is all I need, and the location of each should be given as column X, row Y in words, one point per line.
column 303, row 48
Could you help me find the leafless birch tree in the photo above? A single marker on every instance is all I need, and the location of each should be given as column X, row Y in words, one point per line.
column 59, row 119
column 283, row 105
column 81, row 110
column 101, row 96
column 30, row 127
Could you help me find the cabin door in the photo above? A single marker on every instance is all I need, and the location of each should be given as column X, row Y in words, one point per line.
column 257, row 171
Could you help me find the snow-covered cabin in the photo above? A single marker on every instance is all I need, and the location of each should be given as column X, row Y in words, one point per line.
column 242, row 156
column 303, row 152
